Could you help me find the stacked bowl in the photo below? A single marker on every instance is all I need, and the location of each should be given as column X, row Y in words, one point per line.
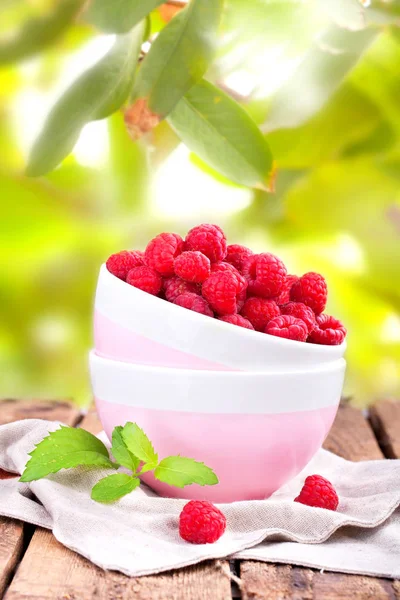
column 254, row 407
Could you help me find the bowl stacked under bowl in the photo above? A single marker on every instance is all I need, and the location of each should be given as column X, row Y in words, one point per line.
column 254, row 407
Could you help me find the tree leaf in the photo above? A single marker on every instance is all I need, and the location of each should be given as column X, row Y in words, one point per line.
column 63, row 449
column 221, row 132
column 138, row 443
column 118, row 16
column 180, row 471
column 39, row 33
column 114, row 487
column 121, row 452
column 179, row 56
column 95, row 94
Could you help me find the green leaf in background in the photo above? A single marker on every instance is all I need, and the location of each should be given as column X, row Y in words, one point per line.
column 63, row 449
column 114, row 487
column 38, row 33
column 95, row 95
column 180, row 471
column 118, row 16
column 348, row 14
column 221, row 133
column 121, row 452
column 138, row 443
column 179, row 56
column 319, row 74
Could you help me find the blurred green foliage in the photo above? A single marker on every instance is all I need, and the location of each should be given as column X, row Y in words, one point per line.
column 321, row 78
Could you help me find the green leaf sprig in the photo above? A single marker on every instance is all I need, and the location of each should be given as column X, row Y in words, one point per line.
column 67, row 448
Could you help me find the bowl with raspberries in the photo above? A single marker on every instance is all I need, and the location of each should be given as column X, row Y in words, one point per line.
column 211, row 347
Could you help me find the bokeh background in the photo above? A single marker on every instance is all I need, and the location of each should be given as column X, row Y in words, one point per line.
column 322, row 80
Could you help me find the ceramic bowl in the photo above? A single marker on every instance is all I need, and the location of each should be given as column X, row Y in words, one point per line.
column 135, row 327
column 256, row 430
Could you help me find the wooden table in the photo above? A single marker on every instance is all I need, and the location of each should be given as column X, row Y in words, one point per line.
column 34, row 566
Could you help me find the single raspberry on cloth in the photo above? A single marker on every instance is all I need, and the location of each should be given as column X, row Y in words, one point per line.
column 284, row 296
column 311, row 289
column 288, row 327
column 237, row 320
column 192, row 266
column 121, row 263
column 221, row 290
column 208, row 239
column 195, row 303
column 328, row 330
column 319, row 492
column 266, row 275
column 201, row 522
column 259, row 311
column 175, row 286
column 145, row 279
column 300, row 311
column 161, row 252
column 238, row 255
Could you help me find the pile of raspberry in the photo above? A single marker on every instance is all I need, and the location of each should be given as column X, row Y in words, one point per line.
column 229, row 282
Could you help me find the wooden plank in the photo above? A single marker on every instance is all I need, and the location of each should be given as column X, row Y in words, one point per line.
column 69, row 576
column 12, row 531
column 352, row 438
column 385, row 420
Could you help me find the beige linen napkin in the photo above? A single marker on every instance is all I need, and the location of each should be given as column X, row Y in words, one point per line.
column 139, row 534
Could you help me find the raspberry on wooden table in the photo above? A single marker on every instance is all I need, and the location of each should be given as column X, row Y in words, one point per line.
column 200, row 522
column 221, row 291
column 237, row 320
column 238, row 255
column 161, row 252
column 259, row 311
column 121, row 263
column 311, row 289
column 287, row 327
column 319, row 492
column 328, row 330
column 208, row 239
column 300, row 311
column 175, row 286
column 266, row 275
column 146, row 279
column 195, row 303
column 284, row 296
column 192, row 266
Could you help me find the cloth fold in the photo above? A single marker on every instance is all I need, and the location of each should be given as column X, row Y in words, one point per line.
column 139, row 534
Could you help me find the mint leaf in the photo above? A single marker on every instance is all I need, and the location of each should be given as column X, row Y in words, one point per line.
column 121, row 452
column 148, row 467
column 180, row 471
column 63, row 449
column 138, row 443
column 113, row 487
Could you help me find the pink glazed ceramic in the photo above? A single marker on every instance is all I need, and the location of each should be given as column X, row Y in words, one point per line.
column 256, row 430
column 135, row 327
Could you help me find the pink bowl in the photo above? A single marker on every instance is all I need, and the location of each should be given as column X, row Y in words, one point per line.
column 135, row 327
column 256, row 430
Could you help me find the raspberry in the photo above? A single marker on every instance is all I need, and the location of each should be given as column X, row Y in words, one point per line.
column 192, row 266
column 201, row 522
column 175, row 286
column 224, row 267
column 318, row 491
column 300, row 311
column 288, row 327
column 195, row 303
column 266, row 275
column 237, row 320
column 120, row 264
column 259, row 311
column 311, row 289
column 145, row 279
column 238, row 255
column 161, row 252
column 208, row 239
column 221, row 290
column 328, row 331
column 284, row 296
